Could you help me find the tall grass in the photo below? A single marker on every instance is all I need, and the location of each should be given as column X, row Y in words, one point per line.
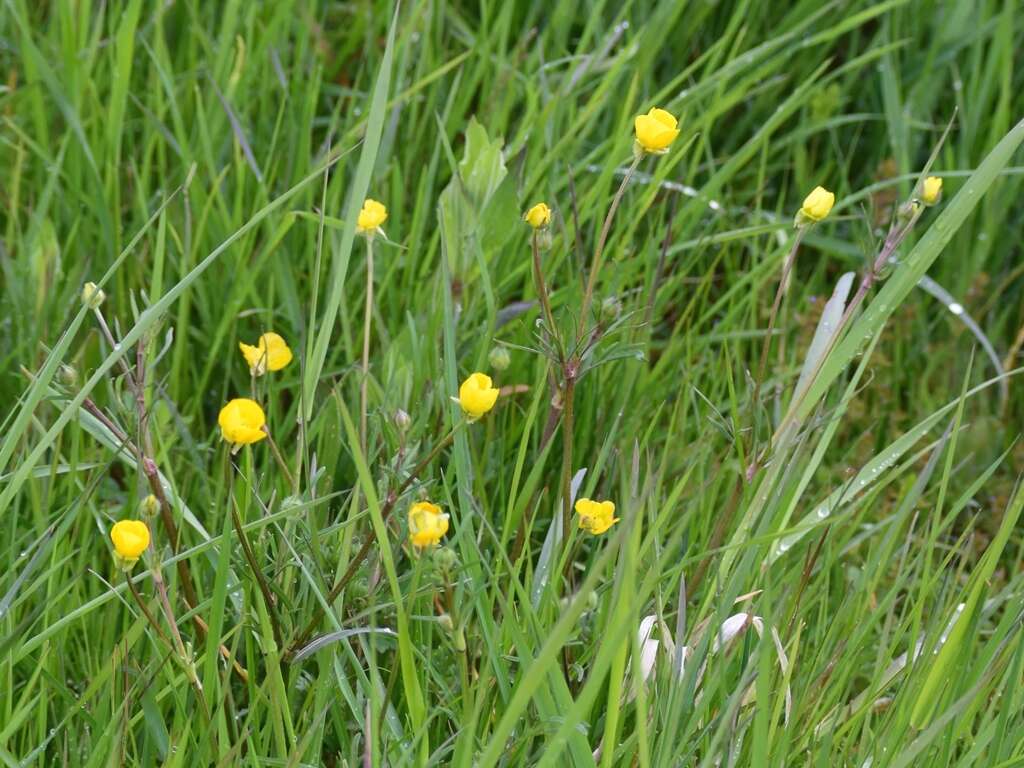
column 817, row 565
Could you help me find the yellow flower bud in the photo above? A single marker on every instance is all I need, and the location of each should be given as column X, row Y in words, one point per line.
column 477, row 395
column 130, row 539
column 371, row 217
column 271, row 353
column 931, row 190
column 92, row 295
column 816, row 205
column 596, row 517
column 539, row 216
column 241, row 422
column 427, row 524
column 655, row 131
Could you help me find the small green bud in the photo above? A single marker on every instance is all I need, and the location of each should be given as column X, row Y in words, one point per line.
column 499, row 358
column 445, row 559
column 611, row 308
column 148, row 507
column 402, row 420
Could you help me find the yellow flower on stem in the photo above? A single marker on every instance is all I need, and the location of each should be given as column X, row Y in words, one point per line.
column 372, row 215
column 655, row 131
column 427, row 524
column 130, row 539
column 596, row 517
column 931, row 190
column 816, row 206
column 477, row 395
column 538, row 216
column 270, row 353
column 242, row 422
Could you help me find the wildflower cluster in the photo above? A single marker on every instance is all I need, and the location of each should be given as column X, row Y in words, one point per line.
column 569, row 352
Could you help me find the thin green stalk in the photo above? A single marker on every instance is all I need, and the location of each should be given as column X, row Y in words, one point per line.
column 568, row 398
column 279, row 458
column 595, row 266
column 367, row 320
column 250, row 559
column 545, row 300
column 787, row 269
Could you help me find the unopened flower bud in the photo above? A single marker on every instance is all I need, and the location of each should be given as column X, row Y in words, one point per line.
column 445, row 559
column 402, row 419
column 611, row 308
column 68, row 374
column 499, row 358
column 931, row 190
column 816, row 206
column 92, row 295
column 149, row 506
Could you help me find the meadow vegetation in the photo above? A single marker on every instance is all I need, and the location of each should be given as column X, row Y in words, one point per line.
column 391, row 386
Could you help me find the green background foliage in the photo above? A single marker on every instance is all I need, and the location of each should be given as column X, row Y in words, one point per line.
column 205, row 161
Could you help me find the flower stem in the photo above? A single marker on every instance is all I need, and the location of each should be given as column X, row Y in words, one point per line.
column 595, row 266
column 545, row 301
column 567, row 426
column 145, row 608
column 787, row 268
column 280, row 460
column 250, row 558
column 367, row 319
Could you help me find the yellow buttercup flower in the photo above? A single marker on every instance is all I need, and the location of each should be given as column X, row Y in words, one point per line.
column 931, row 190
column 816, row 206
column 242, row 421
column 371, row 217
column 131, row 539
column 427, row 524
column 655, row 131
column 596, row 517
column 538, row 216
column 271, row 353
column 477, row 395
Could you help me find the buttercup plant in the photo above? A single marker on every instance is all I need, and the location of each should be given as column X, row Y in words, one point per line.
column 931, row 190
column 539, row 216
column 427, row 525
column 596, row 517
column 242, row 422
column 816, row 206
column 655, row 131
column 130, row 539
column 477, row 395
column 372, row 215
column 270, row 353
